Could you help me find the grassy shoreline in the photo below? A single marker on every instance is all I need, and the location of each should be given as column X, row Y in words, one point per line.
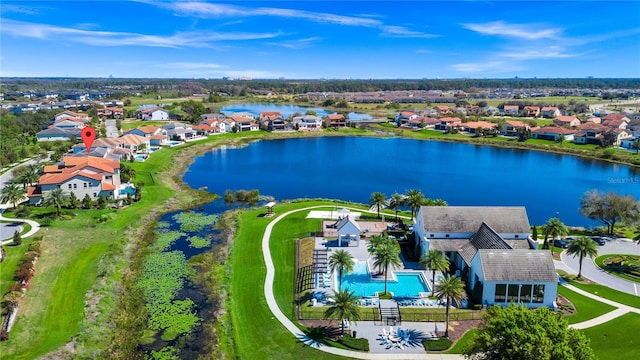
column 72, row 304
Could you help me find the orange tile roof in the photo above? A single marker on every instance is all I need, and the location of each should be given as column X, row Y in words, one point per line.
column 554, row 130
column 335, row 117
column 132, row 139
column 147, row 129
column 478, row 124
column 51, row 169
column 450, row 119
column 566, row 118
column 158, row 137
column 33, row 191
column 50, row 179
column 108, row 186
column 93, row 161
column 204, row 127
column 516, row 123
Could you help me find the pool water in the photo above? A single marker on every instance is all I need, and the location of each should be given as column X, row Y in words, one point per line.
column 360, row 282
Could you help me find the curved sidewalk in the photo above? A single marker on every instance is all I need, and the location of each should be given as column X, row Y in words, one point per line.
column 620, row 310
column 35, row 227
column 293, row 329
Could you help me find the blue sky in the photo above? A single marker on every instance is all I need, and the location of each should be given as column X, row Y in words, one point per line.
column 320, row 39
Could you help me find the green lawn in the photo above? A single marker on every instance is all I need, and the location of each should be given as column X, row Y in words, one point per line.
column 586, row 308
column 630, row 260
column 609, row 293
column 460, row 345
column 8, row 266
column 616, row 339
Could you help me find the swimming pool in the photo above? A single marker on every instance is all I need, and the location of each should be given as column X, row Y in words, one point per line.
column 408, row 284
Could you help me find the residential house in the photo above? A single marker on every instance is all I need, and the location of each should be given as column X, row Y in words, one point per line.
column 567, row 121
column 68, row 124
column 593, row 119
column 619, row 135
column 179, row 131
column 58, row 134
column 443, row 109
column 513, row 127
column 554, row 133
column 550, row 112
column 631, row 143
column 421, row 122
column 81, row 176
column 511, row 110
column 153, row 114
column 307, row 122
column 111, row 113
column 134, row 143
column 335, row 120
column 448, row 123
column 616, row 123
column 473, row 126
column 147, row 131
column 405, row 116
column 204, row 129
column 211, row 116
column 266, row 117
column 617, row 117
column 491, row 249
column 590, row 133
column 490, row 110
column 245, row 124
column 532, row 110
column 70, row 114
column 159, row 140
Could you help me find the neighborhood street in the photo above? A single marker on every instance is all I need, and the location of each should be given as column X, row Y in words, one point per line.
column 593, row 272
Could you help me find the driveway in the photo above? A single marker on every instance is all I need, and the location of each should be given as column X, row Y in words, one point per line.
column 593, row 272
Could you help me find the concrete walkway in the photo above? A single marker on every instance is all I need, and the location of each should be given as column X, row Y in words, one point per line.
column 620, row 310
column 293, row 329
column 35, row 227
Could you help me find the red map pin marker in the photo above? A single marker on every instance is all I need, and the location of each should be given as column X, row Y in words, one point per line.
column 88, row 135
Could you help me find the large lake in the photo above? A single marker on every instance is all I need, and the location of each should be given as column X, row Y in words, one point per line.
column 285, row 110
column 351, row 168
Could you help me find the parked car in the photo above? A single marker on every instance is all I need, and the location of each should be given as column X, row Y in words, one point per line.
column 601, row 241
column 560, row 243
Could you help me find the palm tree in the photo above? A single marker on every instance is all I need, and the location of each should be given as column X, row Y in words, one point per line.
column 342, row 261
column 436, row 261
column 452, row 288
column 582, row 246
column 378, row 199
column 345, row 307
column 55, row 198
column 27, row 175
column 375, row 241
column 385, row 255
column 397, row 200
column 415, row 199
column 12, row 193
column 555, row 228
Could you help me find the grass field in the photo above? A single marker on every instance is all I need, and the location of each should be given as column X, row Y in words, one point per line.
column 586, row 308
column 616, row 339
column 609, row 293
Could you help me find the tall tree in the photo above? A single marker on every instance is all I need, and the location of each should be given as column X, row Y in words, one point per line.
column 582, row 246
column 12, row 193
column 610, row 208
column 345, row 307
column 434, row 260
column 385, row 256
column 57, row 199
column 342, row 261
column 378, row 199
column 517, row 333
column 451, row 288
column 415, row 199
column 397, row 201
column 555, row 228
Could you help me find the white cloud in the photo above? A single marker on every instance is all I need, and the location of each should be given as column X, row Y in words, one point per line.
column 549, row 53
column 520, row 31
column 203, row 9
column 296, row 44
column 110, row 38
column 399, row 31
column 486, row 67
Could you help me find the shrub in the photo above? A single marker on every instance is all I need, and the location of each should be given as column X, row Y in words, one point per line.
column 349, row 341
column 440, row 344
column 23, row 212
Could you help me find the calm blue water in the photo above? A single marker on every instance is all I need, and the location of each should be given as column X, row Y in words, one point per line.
column 359, row 281
column 285, row 110
column 351, row 168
